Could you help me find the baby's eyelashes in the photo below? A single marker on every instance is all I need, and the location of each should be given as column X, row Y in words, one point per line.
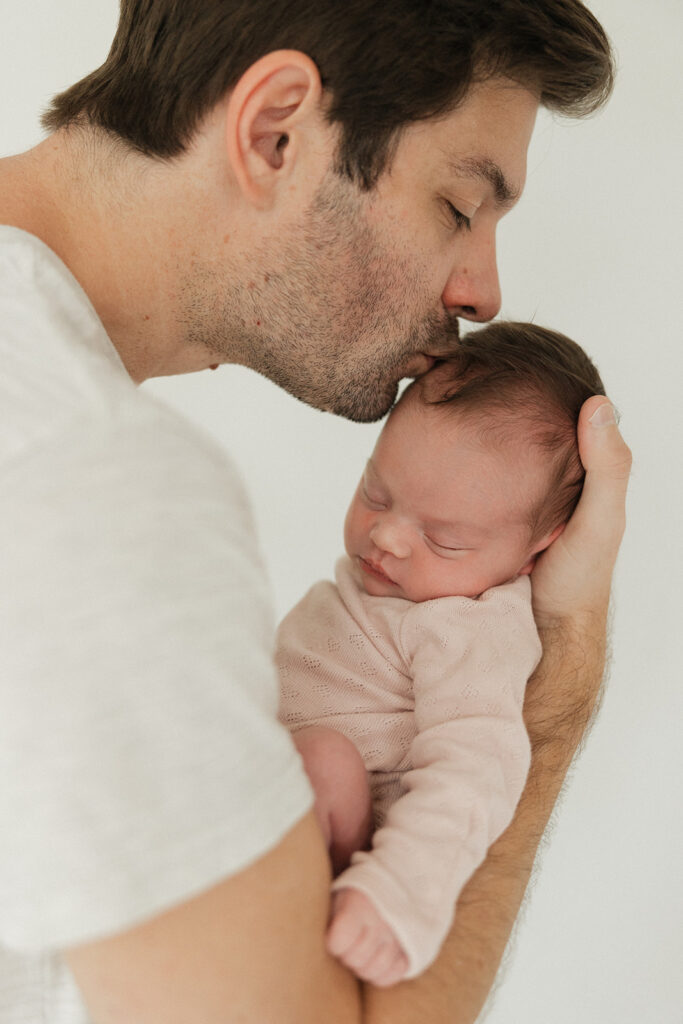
column 375, row 502
column 445, row 549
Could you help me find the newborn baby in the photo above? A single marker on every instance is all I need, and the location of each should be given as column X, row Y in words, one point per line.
column 403, row 682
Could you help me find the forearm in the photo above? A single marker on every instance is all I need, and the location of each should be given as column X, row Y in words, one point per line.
column 249, row 950
column 560, row 700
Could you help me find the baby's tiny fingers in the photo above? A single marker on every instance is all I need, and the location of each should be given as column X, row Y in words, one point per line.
column 344, row 932
column 393, row 974
column 387, row 967
column 362, row 940
column 361, row 952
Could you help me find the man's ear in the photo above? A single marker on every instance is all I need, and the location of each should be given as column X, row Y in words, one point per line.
column 541, row 545
column 270, row 109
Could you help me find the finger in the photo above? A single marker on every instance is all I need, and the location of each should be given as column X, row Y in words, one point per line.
column 388, row 966
column 380, row 962
column 607, row 461
column 344, row 933
column 602, row 449
column 392, row 977
column 363, row 951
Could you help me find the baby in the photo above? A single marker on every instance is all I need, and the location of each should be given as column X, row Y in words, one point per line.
column 403, row 683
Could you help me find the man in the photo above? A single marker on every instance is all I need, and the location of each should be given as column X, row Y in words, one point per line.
column 311, row 190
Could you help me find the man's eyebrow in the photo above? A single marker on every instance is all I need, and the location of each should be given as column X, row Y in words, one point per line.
column 487, row 170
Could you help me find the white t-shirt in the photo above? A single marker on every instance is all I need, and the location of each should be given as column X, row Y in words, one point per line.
column 141, row 760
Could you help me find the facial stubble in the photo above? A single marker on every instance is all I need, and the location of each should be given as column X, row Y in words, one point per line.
column 331, row 312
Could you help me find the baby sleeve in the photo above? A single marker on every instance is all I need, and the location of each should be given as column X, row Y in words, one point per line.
column 470, row 661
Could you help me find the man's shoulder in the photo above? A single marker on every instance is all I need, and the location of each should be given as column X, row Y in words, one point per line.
column 59, row 366
column 64, row 385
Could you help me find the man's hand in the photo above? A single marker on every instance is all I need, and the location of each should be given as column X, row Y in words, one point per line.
column 363, row 941
column 571, row 587
column 572, row 577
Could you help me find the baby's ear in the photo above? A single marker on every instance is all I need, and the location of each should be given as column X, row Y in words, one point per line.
column 540, row 546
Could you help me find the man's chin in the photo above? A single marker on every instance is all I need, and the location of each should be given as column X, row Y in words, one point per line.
column 362, row 407
column 364, row 402
column 366, row 405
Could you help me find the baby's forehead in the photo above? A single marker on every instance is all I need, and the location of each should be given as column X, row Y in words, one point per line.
column 501, row 442
column 489, row 426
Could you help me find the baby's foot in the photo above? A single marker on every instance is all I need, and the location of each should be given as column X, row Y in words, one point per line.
column 362, row 940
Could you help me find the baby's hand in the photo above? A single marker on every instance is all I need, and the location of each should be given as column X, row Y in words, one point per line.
column 359, row 937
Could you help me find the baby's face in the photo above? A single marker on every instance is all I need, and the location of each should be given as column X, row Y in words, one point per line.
column 437, row 513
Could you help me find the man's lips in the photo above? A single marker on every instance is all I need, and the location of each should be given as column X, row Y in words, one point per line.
column 418, row 365
column 422, row 362
column 372, row 569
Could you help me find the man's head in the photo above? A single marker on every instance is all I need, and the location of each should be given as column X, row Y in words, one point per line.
column 383, row 65
column 354, row 158
column 477, row 468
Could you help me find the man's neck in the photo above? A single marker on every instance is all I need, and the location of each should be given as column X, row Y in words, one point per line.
column 115, row 240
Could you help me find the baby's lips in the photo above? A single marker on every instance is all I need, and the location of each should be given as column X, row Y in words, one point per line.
column 367, row 562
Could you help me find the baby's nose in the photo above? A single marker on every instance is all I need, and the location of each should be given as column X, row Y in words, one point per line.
column 389, row 536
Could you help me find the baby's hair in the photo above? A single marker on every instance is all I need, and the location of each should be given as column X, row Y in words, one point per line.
column 519, row 379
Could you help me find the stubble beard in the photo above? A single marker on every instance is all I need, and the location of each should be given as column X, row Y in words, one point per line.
column 331, row 314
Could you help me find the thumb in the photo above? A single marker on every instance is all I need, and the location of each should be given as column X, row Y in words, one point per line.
column 600, row 514
column 574, row 574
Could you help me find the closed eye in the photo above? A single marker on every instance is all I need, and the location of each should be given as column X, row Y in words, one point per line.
column 445, row 548
column 372, row 502
column 461, row 221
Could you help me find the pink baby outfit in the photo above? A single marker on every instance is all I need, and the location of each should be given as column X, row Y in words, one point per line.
column 431, row 694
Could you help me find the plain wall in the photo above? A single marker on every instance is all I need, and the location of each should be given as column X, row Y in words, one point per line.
column 593, row 250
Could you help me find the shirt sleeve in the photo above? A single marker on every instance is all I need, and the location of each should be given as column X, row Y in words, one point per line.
column 470, row 661
column 140, row 754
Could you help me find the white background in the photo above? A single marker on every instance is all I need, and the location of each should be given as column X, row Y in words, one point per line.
column 593, row 250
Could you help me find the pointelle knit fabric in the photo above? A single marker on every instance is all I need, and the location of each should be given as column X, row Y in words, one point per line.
column 431, row 694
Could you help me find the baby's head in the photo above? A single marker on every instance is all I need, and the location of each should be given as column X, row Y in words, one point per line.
column 477, row 468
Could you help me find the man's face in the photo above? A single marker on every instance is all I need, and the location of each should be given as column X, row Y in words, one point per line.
column 439, row 513
column 363, row 289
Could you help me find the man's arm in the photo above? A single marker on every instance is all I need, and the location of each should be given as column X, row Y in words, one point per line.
column 571, row 586
column 249, row 951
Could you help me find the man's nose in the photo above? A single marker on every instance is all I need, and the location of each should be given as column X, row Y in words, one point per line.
column 473, row 290
column 390, row 537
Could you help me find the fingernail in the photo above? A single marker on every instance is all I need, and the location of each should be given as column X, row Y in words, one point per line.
column 603, row 415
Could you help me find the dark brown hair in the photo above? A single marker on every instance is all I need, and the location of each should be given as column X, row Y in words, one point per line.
column 524, row 381
column 384, row 63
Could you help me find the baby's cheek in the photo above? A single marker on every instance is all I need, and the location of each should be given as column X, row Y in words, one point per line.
column 436, row 577
column 418, row 580
column 353, row 529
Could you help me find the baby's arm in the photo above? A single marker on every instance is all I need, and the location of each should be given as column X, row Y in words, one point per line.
column 471, row 660
column 356, row 934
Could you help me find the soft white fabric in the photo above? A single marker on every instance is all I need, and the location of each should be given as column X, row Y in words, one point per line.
column 431, row 694
column 140, row 754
